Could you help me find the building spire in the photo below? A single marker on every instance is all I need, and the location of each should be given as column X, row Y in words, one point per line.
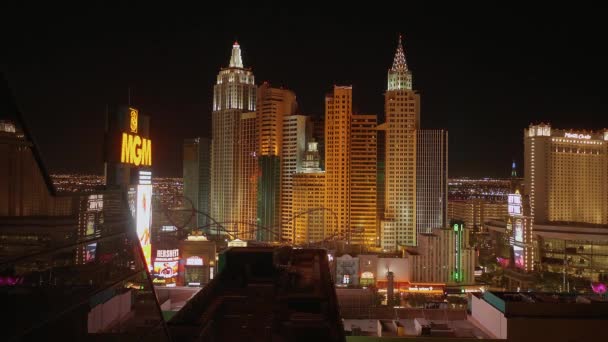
column 235, row 60
column 399, row 63
column 399, row 76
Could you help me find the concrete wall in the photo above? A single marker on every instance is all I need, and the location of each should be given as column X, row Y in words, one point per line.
column 492, row 319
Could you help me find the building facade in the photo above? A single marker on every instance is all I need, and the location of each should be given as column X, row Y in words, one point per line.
column 233, row 94
column 431, row 179
column 402, row 112
column 248, row 167
column 297, row 130
column 565, row 174
column 273, row 106
column 441, row 257
column 308, row 200
column 308, row 215
column 475, row 212
column 363, row 180
column 197, row 177
column 338, row 113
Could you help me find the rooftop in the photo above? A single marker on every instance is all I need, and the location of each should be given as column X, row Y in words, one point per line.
column 538, row 304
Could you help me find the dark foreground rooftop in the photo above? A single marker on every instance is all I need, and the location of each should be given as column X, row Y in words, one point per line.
column 264, row 294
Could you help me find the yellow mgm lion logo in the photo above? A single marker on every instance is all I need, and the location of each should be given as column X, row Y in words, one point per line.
column 133, row 122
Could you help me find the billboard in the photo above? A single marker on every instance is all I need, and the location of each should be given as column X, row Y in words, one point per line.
column 519, row 230
column 518, row 256
column 90, row 252
column 144, row 220
column 166, row 266
column 166, row 272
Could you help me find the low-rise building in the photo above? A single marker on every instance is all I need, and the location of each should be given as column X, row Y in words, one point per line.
column 519, row 316
column 442, row 258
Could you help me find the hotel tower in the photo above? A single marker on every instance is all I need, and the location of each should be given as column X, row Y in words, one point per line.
column 233, row 94
column 402, row 115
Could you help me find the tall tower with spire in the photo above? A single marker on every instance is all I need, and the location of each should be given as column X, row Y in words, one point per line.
column 233, row 94
column 402, row 114
column 399, row 77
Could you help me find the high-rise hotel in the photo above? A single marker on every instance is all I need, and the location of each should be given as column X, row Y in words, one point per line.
column 565, row 174
column 308, row 199
column 431, row 179
column 274, row 105
column 233, row 94
column 350, row 170
column 402, row 109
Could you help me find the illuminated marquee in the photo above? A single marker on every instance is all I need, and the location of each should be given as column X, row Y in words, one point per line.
column 194, row 261
column 136, row 150
column 577, row 136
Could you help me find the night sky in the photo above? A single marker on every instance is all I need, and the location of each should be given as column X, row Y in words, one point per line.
column 484, row 73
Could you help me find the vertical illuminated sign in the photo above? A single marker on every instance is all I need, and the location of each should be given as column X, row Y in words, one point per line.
column 133, row 120
column 144, row 220
column 458, row 228
column 519, row 230
column 518, row 256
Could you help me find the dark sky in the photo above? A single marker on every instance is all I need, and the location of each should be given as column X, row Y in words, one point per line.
column 484, row 73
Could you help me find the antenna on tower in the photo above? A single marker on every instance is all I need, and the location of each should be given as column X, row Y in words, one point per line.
column 129, row 95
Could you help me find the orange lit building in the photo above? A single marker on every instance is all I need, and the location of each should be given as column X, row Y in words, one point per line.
column 350, row 169
column 338, row 113
column 297, row 130
column 402, row 109
column 247, row 177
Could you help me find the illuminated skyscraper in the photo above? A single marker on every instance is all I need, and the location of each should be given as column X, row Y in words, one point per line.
column 234, row 93
column 273, row 106
column 297, row 129
column 402, row 109
column 338, row 114
column 350, row 165
column 247, row 179
column 431, row 179
column 309, row 199
column 196, row 173
column 565, row 174
column 363, row 179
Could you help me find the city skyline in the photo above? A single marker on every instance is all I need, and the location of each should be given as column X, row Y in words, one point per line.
column 318, row 173
column 474, row 83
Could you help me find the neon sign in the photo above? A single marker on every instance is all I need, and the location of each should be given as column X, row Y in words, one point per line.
column 457, row 249
column 136, row 150
column 194, row 261
column 421, row 288
column 133, row 120
column 577, row 136
column 169, row 254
